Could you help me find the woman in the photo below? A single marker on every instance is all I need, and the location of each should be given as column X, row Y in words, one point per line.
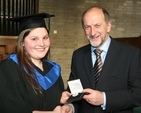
column 29, row 82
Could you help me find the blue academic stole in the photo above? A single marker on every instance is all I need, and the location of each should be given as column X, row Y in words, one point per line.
column 49, row 79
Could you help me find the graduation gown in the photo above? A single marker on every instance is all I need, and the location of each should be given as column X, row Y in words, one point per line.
column 17, row 96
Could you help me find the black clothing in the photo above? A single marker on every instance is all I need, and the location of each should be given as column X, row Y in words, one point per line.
column 17, row 96
column 120, row 78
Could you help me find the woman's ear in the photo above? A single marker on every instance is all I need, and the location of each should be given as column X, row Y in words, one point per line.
column 23, row 44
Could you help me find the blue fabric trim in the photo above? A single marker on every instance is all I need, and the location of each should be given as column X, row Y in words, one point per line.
column 45, row 81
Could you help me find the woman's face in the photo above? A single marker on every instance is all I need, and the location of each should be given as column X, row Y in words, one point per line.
column 37, row 43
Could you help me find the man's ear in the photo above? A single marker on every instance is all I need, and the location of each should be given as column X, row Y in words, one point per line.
column 109, row 26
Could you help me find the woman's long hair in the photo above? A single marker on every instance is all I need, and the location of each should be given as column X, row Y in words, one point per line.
column 25, row 62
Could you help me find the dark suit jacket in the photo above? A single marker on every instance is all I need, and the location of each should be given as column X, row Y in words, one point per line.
column 120, row 78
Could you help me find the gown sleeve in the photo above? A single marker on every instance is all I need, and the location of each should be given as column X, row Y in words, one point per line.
column 12, row 98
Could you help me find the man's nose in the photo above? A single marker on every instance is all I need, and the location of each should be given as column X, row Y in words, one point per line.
column 93, row 30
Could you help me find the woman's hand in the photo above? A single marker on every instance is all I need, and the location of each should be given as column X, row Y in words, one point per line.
column 64, row 97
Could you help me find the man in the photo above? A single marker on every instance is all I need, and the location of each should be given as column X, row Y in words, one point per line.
column 118, row 86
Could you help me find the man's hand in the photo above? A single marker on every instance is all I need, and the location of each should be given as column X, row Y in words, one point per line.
column 93, row 97
column 57, row 109
column 66, row 109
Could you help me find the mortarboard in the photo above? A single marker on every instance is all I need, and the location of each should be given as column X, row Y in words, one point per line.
column 32, row 21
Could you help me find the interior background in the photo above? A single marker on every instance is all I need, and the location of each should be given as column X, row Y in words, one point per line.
column 67, row 34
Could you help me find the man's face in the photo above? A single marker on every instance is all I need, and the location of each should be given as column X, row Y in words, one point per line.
column 95, row 27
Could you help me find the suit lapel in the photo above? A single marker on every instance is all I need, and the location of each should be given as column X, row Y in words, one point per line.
column 88, row 66
column 110, row 61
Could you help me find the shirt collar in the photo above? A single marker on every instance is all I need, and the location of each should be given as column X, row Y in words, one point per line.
column 104, row 47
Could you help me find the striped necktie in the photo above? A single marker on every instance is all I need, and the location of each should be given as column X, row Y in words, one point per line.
column 98, row 65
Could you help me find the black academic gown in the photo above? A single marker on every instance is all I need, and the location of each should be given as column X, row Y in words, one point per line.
column 17, row 96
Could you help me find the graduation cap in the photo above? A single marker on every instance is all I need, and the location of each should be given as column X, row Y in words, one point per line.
column 32, row 21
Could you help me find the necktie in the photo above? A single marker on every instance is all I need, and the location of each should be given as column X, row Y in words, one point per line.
column 98, row 65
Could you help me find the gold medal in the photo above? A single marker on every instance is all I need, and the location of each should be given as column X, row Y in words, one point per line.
column 75, row 94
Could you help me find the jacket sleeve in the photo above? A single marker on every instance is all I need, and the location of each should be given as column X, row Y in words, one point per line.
column 129, row 94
